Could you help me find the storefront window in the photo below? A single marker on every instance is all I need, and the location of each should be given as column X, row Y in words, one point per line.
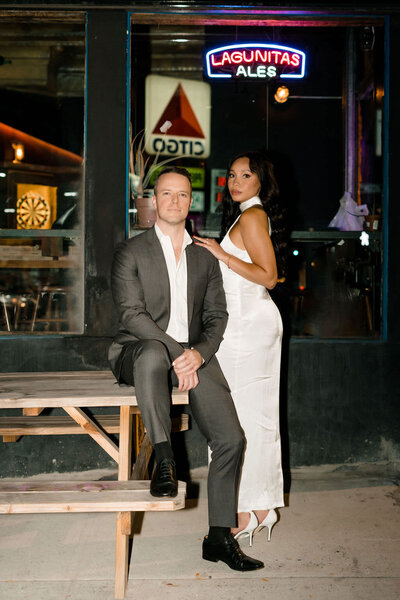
column 193, row 108
column 42, row 69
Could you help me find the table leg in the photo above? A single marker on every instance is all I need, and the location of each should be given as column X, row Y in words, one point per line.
column 139, row 433
column 140, row 468
column 124, row 519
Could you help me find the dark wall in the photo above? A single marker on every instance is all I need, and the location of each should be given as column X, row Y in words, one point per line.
column 342, row 402
column 391, row 230
column 339, row 398
column 106, row 178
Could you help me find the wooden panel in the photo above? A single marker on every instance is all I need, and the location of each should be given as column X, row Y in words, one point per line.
column 95, row 496
column 44, row 263
column 34, row 16
column 264, row 18
column 197, row 15
column 31, row 412
column 62, row 425
column 28, row 63
column 74, row 388
column 180, row 423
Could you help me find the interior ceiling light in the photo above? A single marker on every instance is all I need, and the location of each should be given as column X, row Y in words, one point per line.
column 281, row 94
column 19, row 152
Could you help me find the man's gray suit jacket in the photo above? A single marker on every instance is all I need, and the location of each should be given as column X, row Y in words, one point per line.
column 141, row 291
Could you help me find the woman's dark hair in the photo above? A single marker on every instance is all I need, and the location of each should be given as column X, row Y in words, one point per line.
column 260, row 164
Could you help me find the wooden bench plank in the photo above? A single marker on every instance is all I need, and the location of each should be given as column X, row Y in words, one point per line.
column 63, row 425
column 75, row 388
column 53, row 425
column 75, row 497
column 40, row 486
column 55, row 374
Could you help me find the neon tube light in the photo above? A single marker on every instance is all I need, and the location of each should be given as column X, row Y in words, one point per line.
column 259, row 61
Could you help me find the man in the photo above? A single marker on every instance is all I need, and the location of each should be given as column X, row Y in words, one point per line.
column 172, row 311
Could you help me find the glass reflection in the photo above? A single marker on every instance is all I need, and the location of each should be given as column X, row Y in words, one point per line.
column 333, row 285
column 41, row 162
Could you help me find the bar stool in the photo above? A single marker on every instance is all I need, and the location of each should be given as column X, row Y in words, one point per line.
column 48, row 311
column 5, row 315
column 25, row 307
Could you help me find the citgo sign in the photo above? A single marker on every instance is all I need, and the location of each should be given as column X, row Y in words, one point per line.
column 255, row 61
column 177, row 117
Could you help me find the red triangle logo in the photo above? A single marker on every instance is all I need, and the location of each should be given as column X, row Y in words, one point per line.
column 180, row 113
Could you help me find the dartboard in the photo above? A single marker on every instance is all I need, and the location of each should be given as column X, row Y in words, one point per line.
column 33, row 211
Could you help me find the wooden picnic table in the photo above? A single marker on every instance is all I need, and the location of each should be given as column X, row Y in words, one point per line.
column 72, row 391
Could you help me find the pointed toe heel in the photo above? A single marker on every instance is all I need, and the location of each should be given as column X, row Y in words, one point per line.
column 268, row 522
column 249, row 529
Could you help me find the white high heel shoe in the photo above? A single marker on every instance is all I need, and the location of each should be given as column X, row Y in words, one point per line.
column 269, row 522
column 249, row 529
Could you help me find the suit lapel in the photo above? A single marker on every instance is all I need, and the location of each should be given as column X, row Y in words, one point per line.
column 159, row 269
column 192, row 270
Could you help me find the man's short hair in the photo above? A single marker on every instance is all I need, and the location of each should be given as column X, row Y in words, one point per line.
column 178, row 171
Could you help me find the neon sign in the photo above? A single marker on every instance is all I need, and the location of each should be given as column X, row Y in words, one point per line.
column 259, row 61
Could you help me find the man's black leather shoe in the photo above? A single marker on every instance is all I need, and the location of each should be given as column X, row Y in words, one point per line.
column 230, row 553
column 164, row 482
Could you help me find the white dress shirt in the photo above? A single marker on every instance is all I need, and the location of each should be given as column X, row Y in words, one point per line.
column 178, row 327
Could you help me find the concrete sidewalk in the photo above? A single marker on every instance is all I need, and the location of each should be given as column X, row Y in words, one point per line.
column 338, row 538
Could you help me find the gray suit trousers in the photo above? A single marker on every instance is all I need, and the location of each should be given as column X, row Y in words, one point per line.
column 146, row 364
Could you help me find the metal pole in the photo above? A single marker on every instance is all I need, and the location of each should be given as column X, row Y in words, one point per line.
column 350, row 115
column 267, row 118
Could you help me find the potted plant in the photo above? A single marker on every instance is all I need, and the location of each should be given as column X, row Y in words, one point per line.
column 140, row 172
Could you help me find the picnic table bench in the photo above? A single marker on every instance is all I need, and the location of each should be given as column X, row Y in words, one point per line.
column 72, row 391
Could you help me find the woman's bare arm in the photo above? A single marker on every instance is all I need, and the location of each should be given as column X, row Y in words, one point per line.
column 254, row 233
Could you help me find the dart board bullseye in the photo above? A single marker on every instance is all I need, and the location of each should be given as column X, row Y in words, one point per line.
column 33, row 211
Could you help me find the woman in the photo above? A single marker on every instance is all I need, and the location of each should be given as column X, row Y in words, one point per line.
column 250, row 352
